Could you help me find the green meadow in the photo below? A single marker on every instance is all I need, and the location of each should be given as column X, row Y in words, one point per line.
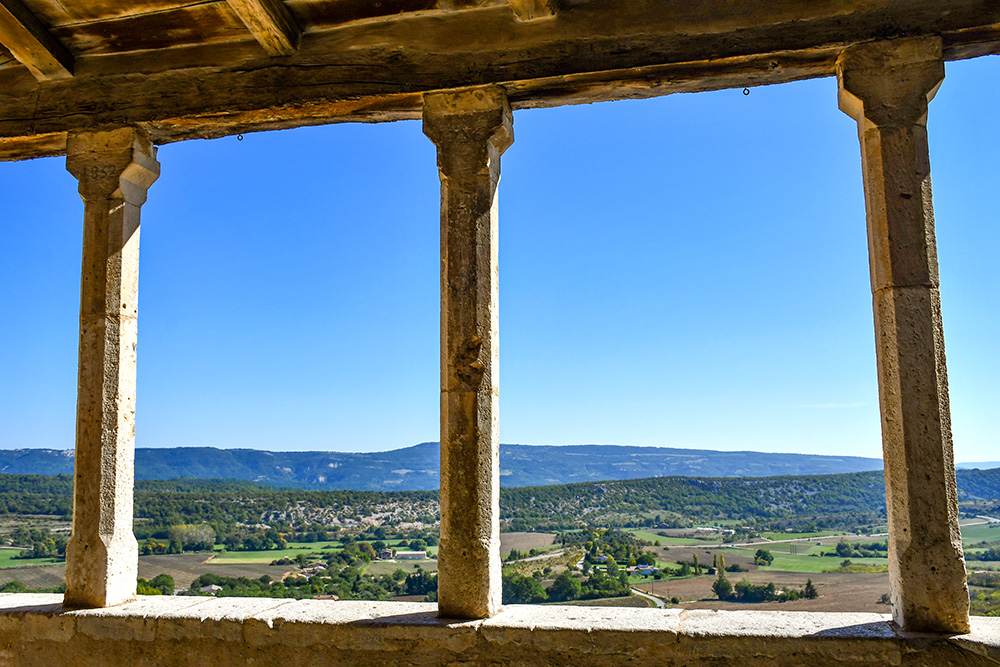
column 7, row 559
column 654, row 537
column 988, row 532
column 292, row 551
column 798, row 536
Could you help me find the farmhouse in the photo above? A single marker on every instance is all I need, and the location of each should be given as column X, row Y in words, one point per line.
column 104, row 82
column 411, row 555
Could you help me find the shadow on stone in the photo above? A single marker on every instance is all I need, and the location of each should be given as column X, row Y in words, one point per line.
column 415, row 618
column 877, row 630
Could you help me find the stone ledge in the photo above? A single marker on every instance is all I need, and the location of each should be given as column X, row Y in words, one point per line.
column 36, row 630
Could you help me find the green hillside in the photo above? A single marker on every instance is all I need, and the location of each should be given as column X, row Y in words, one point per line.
column 854, row 497
column 417, row 468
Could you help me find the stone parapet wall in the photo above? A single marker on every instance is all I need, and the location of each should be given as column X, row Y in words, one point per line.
column 36, row 630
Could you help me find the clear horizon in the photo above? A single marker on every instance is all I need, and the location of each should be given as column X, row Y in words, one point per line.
column 688, row 272
column 520, row 444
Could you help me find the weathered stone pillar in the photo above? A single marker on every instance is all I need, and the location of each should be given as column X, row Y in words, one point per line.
column 471, row 129
column 115, row 169
column 886, row 86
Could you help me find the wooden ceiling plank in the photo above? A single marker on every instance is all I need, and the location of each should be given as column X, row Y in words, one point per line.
column 271, row 24
column 32, row 44
column 378, row 71
column 55, row 13
column 531, row 10
column 204, row 23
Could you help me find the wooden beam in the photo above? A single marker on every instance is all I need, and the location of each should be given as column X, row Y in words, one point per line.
column 529, row 10
column 271, row 24
column 39, row 145
column 32, row 44
column 379, row 70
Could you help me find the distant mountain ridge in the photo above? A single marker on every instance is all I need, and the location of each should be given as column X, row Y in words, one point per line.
column 416, row 468
column 982, row 465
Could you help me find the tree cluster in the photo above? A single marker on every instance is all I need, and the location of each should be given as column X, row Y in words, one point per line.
column 347, row 583
column 747, row 591
column 161, row 584
column 988, row 555
column 38, row 543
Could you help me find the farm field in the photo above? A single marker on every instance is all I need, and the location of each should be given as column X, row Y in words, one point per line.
column 837, row 591
column 796, row 559
column 55, row 524
column 525, row 541
column 265, row 557
column 293, row 550
column 986, row 532
column 979, row 566
column 815, row 564
column 45, row 576
column 667, row 538
column 799, row 536
column 184, row 568
column 381, row 567
column 7, row 559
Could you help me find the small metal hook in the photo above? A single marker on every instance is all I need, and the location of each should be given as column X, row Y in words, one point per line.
column 239, row 137
column 746, row 91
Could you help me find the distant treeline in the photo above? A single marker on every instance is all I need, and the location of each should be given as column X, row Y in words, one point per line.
column 652, row 501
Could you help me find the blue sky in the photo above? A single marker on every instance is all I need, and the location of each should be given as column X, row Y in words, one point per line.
column 689, row 271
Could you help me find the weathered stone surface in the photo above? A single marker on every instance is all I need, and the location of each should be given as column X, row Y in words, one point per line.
column 886, row 87
column 471, row 129
column 114, row 170
column 173, row 631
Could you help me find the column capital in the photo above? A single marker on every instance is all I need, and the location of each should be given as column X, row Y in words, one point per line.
column 466, row 125
column 889, row 83
column 110, row 164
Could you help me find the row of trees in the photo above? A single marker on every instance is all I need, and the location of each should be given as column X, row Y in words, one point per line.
column 347, row 583
column 845, row 549
column 161, row 584
column 521, row 589
column 988, row 555
column 178, row 538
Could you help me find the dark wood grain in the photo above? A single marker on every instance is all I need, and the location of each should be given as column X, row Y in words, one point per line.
column 377, row 69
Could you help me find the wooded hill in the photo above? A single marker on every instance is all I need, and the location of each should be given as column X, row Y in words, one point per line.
column 417, row 468
column 846, row 498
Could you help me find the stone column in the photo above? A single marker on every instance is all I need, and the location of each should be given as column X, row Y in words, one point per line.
column 886, row 86
column 471, row 129
column 115, row 169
